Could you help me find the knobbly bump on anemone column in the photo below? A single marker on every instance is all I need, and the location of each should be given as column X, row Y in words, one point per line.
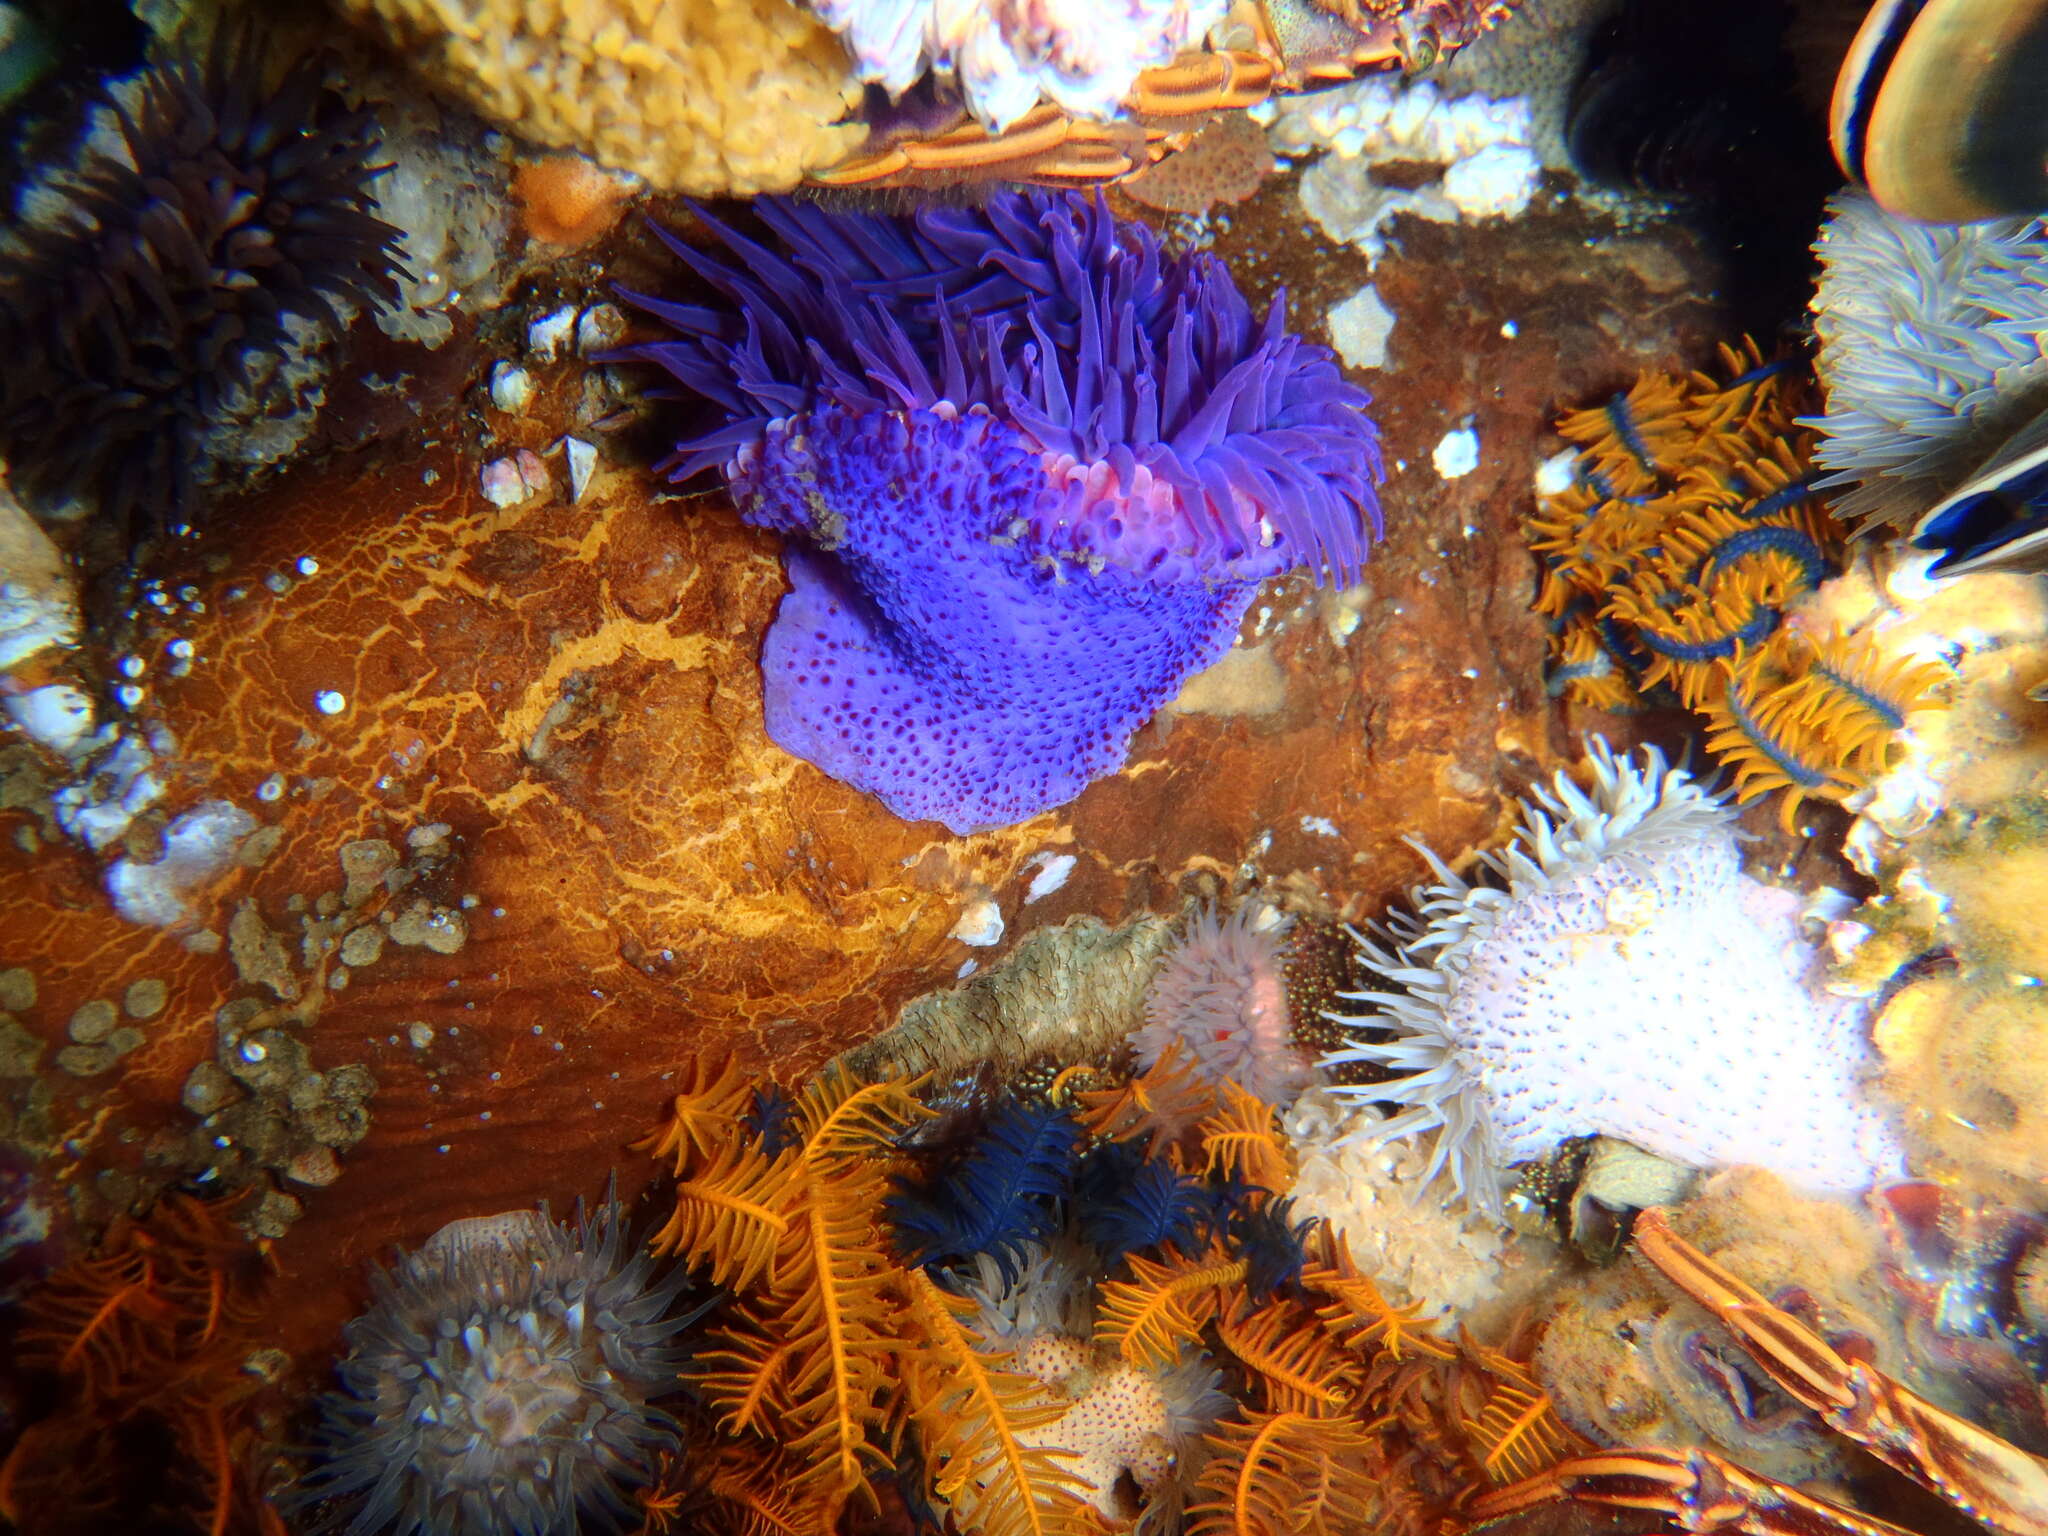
column 1030, row 472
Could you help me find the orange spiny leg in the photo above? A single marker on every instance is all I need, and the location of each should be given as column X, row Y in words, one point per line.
column 1695, row 1490
column 1196, row 84
column 1045, row 146
column 1985, row 1477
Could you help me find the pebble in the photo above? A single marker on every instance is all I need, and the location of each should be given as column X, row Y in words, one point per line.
column 362, row 946
column 315, row 1167
column 145, row 999
column 87, row 1060
column 93, row 1022
column 1457, row 455
column 980, row 924
column 208, row 1088
column 17, row 990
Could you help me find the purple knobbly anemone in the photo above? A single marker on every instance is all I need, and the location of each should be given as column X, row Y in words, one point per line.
column 1031, row 473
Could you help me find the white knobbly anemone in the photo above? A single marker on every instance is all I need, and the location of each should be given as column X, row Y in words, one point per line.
column 1612, row 971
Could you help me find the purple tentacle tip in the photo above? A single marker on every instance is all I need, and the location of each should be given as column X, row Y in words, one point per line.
column 1031, row 474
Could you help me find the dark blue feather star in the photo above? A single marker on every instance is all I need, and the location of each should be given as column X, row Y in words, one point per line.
column 1005, row 1192
column 1126, row 1201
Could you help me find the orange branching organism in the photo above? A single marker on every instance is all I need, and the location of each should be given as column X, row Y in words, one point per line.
column 832, row 1351
column 1691, row 525
column 1241, row 1369
column 148, row 1340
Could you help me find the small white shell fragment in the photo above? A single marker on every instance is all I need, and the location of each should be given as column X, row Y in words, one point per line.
column 1457, row 455
column 1555, row 474
column 1496, row 182
column 57, row 715
column 511, row 388
column 1319, row 826
column 330, row 701
column 599, row 327
column 1359, row 328
column 196, row 847
column 1053, row 870
column 545, row 337
column 508, row 481
column 980, row 924
column 38, row 599
column 582, row 458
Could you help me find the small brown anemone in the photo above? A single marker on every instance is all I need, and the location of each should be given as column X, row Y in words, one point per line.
column 223, row 213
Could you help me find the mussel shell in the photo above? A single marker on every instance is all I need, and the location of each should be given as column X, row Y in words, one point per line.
column 1997, row 520
column 1941, row 108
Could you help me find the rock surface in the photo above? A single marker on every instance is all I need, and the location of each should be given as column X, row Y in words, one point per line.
column 524, row 852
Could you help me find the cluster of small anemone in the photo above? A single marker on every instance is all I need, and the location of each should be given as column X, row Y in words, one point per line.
column 1693, row 524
